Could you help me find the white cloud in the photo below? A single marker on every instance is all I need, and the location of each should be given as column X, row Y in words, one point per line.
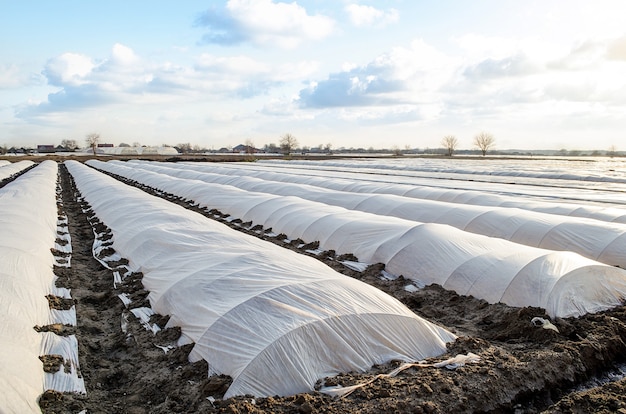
column 13, row 77
column 123, row 56
column 403, row 76
column 503, row 82
column 617, row 49
column 69, row 69
column 232, row 66
column 247, row 77
column 420, row 62
column 583, row 56
column 279, row 107
column 264, row 23
column 361, row 15
column 83, row 83
column 383, row 114
column 499, row 72
column 348, row 66
column 480, row 47
column 511, row 66
column 126, row 78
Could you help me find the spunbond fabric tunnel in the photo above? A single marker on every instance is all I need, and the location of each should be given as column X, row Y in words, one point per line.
column 9, row 169
column 564, row 283
column 447, row 182
column 596, row 239
column 373, row 182
column 28, row 232
column 274, row 320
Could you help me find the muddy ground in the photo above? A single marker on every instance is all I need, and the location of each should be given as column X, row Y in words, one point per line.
column 522, row 368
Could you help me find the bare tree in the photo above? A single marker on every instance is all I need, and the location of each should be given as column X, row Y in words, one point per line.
column 270, row 148
column 69, row 144
column 249, row 146
column 612, row 151
column 450, row 143
column 484, row 141
column 288, row 143
column 92, row 141
column 184, row 147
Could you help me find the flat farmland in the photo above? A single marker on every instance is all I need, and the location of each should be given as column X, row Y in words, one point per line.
column 481, row 218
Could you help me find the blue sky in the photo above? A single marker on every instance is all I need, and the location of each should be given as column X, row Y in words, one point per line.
column 546, row 74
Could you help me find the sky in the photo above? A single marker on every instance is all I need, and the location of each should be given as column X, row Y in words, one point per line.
column 536, row 74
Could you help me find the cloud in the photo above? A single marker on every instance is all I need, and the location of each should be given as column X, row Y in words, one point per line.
column 511, row 66
column 242, row 75
column 116, row 72
column 68, row 69
column 616, row 49
column 12, row 76
column 279, row 107
column 82, row 82
column 354, row 88
column 123, row 56
column 487, row 82
column 263, row 23
column 236, row 65
column 588, row 54
column 382, row 115
column 79, row 85
column 562, row 91
column 480, row 47
column 245, row 77
column 369, row 16
column 68, row 99
column 223, row 28
column 402, row 76
column 513, row 78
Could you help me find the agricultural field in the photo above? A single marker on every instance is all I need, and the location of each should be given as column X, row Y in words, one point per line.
column 358, row 285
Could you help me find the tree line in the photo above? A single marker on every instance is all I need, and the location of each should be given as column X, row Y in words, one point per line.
column 288, row 144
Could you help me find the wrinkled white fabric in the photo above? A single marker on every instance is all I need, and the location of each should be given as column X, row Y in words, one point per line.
column 458, row 189
column 598, row 240
column 8, row 169
column 274, row 320
column 28, row 225
column 488, row 268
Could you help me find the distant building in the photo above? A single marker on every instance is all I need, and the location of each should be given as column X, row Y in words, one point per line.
column 244, row 149
column 45, row 149
column 108, row 149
